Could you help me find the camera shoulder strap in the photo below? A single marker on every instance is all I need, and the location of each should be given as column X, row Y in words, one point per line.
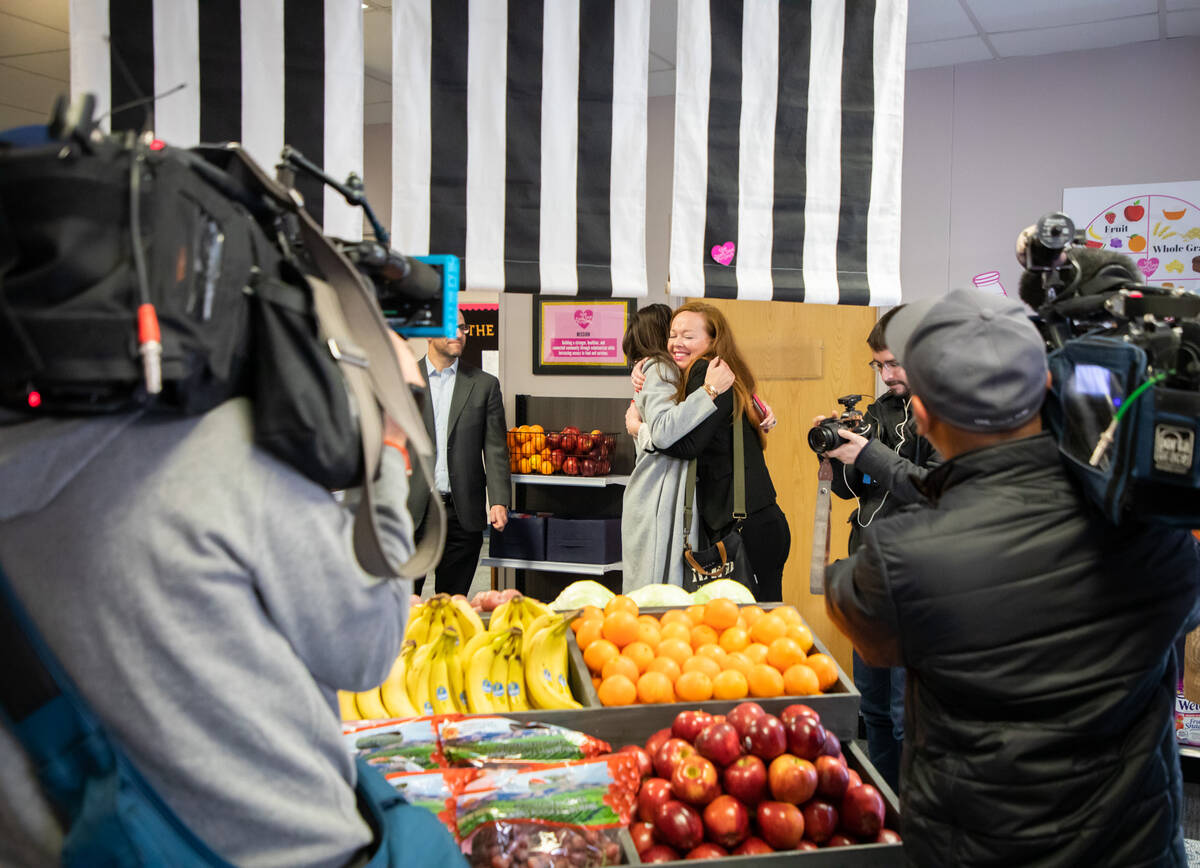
column 352, row 326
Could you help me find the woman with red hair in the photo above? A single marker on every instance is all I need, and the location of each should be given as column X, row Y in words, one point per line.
column 699, row 335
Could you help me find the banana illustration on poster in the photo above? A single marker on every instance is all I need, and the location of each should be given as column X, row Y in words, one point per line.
column 1156, row 225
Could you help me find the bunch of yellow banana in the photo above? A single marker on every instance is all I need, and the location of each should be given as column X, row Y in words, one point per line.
column 428, row 620
column 451, row 663
column 517, row 612
column 432, row 678
column 544, row 648
column 494, row 672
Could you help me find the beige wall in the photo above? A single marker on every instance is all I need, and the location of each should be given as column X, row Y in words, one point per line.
column 989, row 147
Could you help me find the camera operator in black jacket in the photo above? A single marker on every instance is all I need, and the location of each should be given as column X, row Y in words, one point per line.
column 1039, row 640
column 882, row 472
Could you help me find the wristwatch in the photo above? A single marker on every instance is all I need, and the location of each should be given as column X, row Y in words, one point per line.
column 712, row 393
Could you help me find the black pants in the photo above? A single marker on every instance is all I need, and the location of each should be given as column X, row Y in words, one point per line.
column 768, row 539
column 460, row 556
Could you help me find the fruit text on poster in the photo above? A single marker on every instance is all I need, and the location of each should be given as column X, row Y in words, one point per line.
column 1155, row 225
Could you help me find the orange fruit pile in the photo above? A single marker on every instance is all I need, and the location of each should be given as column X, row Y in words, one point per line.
column 715, row 650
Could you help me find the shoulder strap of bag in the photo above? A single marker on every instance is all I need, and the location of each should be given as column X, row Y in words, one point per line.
column 739, row 485
column 353, row 328
column 77, row 762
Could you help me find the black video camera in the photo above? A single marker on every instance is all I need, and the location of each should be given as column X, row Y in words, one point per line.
column 1125, row 362
column 417, row 294
column 824, row 436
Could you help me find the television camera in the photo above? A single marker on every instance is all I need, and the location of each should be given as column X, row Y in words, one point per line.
column 1125, row 361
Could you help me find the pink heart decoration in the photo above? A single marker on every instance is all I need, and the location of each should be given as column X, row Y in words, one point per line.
column 1148, row 266
column 723, row 253
column 583, row 317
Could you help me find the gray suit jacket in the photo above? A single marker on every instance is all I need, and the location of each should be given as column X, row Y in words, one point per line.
column 476, row 447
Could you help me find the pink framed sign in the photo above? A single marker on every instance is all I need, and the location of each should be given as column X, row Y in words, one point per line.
column 571, row 336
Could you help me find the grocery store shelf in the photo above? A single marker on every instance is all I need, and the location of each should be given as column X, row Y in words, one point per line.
column 581, row 481
column 551, row 566
column 1189, row 751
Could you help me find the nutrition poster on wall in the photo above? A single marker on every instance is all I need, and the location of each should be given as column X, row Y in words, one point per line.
column 1155, row 225
column 580, row 337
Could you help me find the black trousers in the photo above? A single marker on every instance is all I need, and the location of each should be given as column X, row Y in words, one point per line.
column 768, row 539
column 460, row 556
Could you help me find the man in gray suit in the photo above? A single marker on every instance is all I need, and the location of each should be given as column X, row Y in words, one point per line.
column 464, row 414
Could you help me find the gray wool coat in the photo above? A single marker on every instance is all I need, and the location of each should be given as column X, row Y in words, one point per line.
column 652, row 508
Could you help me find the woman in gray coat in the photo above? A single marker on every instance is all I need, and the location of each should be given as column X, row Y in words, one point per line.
column 652, row 509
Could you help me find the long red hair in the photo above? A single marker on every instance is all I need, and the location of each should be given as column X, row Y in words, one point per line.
column 724, row 346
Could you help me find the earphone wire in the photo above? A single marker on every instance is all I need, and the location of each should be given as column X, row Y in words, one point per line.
column 901, row 431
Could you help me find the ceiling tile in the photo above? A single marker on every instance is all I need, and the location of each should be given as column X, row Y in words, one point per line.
column 20, row 36
column 52, row 13
column 1185, row 23
column 663, row 17
column 662, row 83
column 1039, row 14
column 377, row 43
column 1172, row 5
column 946, row 52
column 52, row 64
column 937, row 19
column 11, row 116
column 28, row 91
column 1077, row 37
column 377, row 113
column 376, row 88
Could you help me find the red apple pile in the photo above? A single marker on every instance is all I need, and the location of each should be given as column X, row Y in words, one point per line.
column 750, row 782
column 582, row 454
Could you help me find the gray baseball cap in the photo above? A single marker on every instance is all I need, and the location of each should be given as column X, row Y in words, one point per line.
column 975, row 360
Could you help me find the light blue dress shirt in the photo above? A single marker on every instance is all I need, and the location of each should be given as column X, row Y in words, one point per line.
column 441, row 390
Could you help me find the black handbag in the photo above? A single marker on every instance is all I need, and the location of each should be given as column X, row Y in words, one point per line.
column 726, row 558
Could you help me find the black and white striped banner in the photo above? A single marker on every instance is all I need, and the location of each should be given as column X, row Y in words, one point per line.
column 788, row 129
column 262, row 72
column 519, row 140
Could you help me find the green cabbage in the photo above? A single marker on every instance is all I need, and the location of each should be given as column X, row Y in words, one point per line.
column 661, row 595
column 727, row 588
column 582, row 593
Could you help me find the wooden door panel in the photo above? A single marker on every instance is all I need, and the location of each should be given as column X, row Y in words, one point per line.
column 831, row 354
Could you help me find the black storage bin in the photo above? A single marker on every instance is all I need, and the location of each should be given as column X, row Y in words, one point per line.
column 523, row 538
column 583, row 540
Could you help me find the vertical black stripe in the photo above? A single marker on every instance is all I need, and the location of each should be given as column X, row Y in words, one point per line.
column 131, row 61
column 858, row 122
column 791, row 150
column 724, row 120
column 304, row 93
column 220, row 70
column 523, row 148
column 448, row 123
column 593, row 233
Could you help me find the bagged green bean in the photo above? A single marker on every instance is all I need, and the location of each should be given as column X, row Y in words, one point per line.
column 397, row 745
column 501, row 740
column 435, row 791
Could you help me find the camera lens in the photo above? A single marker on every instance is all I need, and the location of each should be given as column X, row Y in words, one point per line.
column 822, row 438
